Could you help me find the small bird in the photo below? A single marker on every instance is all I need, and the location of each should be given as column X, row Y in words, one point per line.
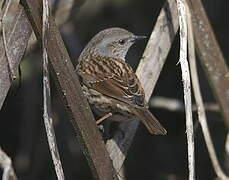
column 109, row 83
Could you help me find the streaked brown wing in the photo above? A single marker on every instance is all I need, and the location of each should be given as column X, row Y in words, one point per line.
column 113, row 78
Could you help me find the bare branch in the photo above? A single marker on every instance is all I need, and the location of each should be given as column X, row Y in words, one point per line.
column 187, row 85
column 47, row 97
column 148, row 72
column 199, row 101
column 211, row 57
column 6, row 165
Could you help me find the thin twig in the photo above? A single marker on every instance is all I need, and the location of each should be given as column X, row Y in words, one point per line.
column 199, row 101
column 6, row 165
column 47, row 98
column 187, row 86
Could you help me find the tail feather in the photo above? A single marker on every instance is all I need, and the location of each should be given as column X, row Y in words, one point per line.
column 150, row 121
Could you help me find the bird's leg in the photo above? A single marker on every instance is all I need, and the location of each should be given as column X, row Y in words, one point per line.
column 103, row 118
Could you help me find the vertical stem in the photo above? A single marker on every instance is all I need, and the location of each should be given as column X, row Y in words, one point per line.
column 199, row 101
column 47, row 98
column 187, row 86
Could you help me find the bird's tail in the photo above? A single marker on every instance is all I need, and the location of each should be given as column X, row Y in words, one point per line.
column 150, row 121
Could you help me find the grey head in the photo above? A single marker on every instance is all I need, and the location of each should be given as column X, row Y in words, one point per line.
column 111, row 42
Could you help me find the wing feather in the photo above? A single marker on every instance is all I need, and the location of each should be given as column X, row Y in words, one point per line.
column 112, row 77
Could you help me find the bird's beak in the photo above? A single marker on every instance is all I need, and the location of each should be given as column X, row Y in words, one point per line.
column 135, row 38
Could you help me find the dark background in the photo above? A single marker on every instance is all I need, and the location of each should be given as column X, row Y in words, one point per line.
column 22, row 133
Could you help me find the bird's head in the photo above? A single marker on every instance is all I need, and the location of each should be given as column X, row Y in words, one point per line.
column 112, row 42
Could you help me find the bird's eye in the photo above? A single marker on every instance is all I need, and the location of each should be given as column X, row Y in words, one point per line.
column 121, row 42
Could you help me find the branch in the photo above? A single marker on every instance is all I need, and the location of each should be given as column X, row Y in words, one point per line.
column 187, row 86
column 148, row 72
column 78, row 109
column 199, row 101
column 47, row 97
column 6, row 165
column 210, row 56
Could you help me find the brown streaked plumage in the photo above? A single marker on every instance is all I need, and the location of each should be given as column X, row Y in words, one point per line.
column 109, row 82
